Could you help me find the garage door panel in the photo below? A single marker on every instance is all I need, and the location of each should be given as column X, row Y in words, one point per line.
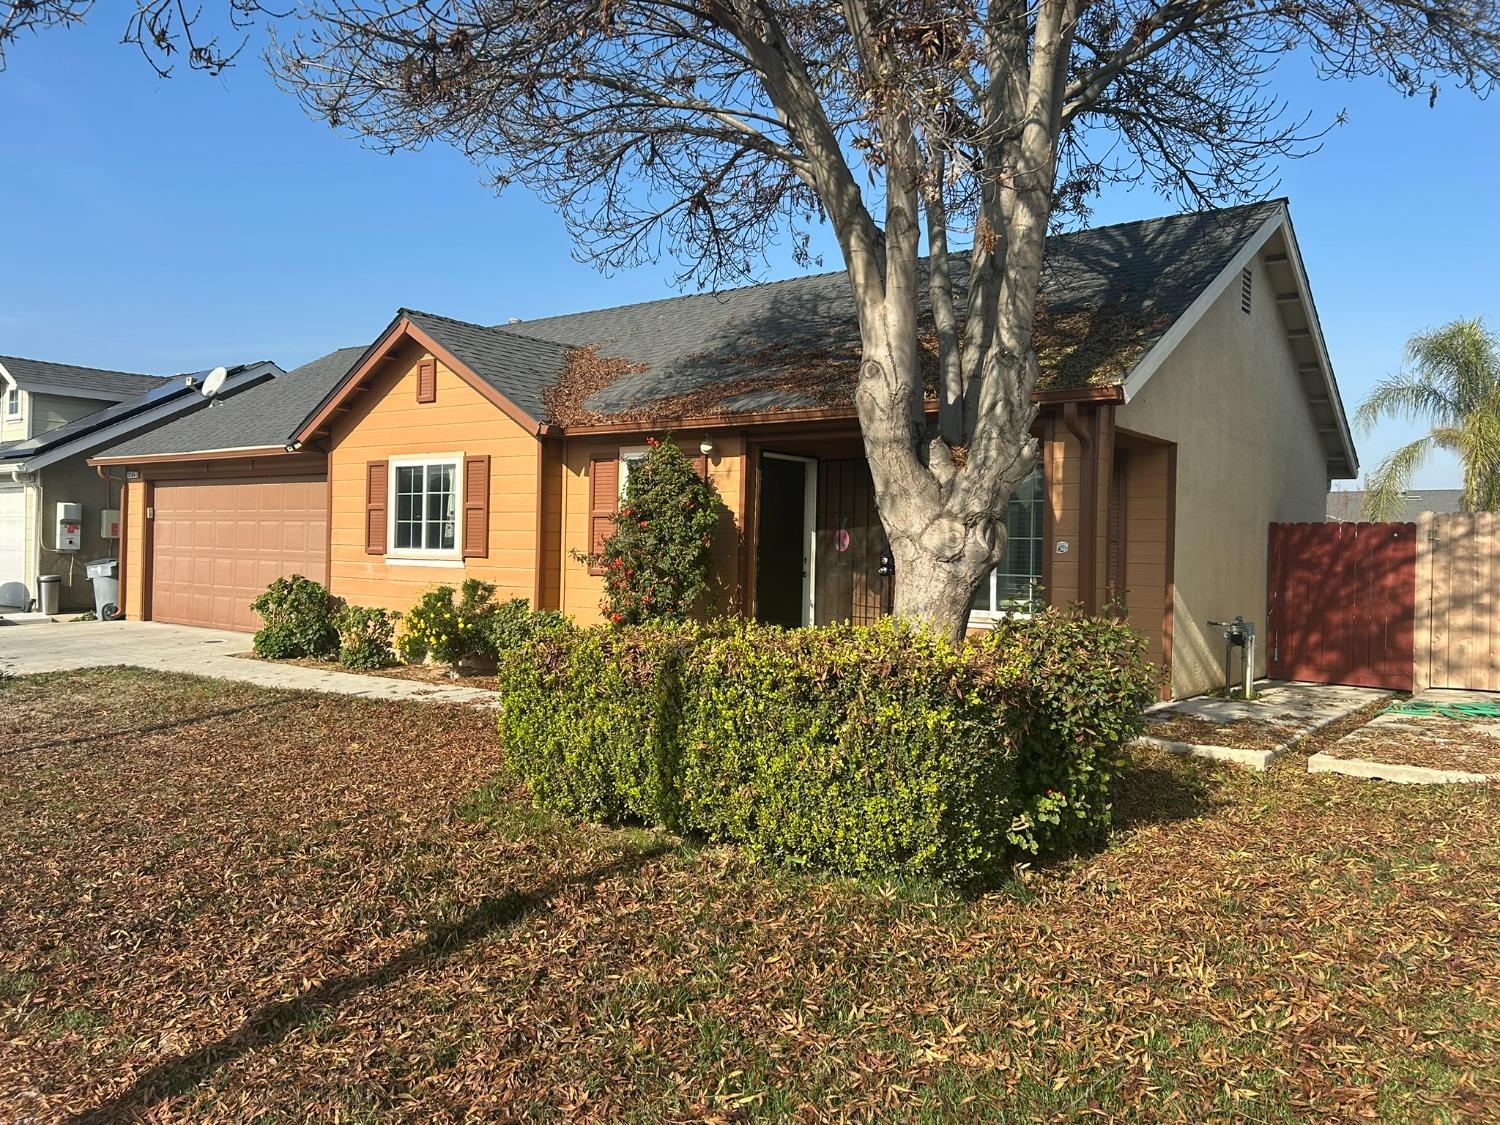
column 215, row 546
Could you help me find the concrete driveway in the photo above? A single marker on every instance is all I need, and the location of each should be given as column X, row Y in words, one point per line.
column 59, row 647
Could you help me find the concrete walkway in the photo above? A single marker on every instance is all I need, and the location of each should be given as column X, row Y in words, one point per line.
column 60, row 647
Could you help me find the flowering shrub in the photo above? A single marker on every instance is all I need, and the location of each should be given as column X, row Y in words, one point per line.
column 365, row 635
column 656, row 562
column 298, row 620
column 447, row 631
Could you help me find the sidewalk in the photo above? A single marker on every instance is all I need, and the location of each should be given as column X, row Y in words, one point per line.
column 59, row 647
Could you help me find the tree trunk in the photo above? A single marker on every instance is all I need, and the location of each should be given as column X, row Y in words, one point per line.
column 934, row 591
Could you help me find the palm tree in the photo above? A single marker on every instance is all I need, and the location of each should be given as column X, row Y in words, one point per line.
column 1451, row 379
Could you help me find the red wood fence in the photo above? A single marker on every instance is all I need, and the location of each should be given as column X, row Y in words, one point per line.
column 1341, row 603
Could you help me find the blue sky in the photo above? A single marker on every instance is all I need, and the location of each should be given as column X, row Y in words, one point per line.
column 165, row 225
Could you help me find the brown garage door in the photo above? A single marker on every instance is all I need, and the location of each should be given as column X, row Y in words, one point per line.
column 217, row 544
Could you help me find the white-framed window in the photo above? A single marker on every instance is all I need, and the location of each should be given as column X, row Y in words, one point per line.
column 630, row 457
column 1015, row 585
column 13, row 402
column 425, row 512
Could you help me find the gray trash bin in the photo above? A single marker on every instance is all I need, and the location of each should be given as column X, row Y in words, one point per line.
column 49, row 591
column 105, row 575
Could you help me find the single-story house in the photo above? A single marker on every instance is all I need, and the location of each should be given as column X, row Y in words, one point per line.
column 1348, row 505
column 1188, row 401
column 63, row 414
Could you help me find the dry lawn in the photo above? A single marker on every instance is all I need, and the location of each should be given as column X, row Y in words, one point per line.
column 224, row 903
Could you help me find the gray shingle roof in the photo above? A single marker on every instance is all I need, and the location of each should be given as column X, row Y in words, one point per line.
column 261, row 416
column 1110, row 293
column 520, row 367
column 1347, row 506
column 39, row 372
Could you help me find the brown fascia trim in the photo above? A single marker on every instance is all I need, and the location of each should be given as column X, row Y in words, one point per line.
column 394, row 336
column 1115, row 394
column 204, row 455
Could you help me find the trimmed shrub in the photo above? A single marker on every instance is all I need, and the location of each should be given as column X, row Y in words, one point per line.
column 589, row 720
column 365, row 636
column 298, row 620
column 513, row 626
column 862, row 750
column 657, row 559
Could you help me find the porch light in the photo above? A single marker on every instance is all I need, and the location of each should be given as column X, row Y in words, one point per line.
column 706, row 446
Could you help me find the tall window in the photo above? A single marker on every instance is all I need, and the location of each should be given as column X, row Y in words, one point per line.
column 426, row 507
column 1014, row 585
column 13, row 402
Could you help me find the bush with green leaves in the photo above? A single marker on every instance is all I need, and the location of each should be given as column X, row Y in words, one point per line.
column 590, row 719
column 514, row 625
column 447, row 630
column 297, row 615
column 862, row 750
column 365, row 634
column 656, row 562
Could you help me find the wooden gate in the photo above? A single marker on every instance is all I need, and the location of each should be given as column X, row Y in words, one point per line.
column 1341, row 603
column 1458, row 603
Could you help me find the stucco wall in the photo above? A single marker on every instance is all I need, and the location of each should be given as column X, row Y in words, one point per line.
column 1248, row 454
column 75, row 482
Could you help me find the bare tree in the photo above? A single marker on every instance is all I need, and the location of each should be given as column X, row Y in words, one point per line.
column 703, row 128
column 163, row 30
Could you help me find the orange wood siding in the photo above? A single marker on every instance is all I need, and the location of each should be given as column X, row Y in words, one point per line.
column 579, row 591
column 1064, row 461
column 386, row 422
column 1146, row 511
column 134, row 504
column 553, row 556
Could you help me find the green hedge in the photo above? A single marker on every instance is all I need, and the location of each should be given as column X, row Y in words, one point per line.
column 590, row 720
column 860, row 750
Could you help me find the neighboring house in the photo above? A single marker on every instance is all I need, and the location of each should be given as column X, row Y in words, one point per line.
column 1348, row 506
column 49, row 466
column 1187, row 402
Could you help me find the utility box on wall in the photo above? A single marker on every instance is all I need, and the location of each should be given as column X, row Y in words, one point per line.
column 69, row 530
column 109, row 523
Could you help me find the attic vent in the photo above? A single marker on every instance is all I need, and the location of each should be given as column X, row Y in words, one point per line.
column 1247, row 286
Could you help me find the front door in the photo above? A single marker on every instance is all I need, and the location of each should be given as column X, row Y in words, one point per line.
column 784, row 550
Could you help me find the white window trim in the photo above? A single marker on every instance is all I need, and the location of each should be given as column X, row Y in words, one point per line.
column 627, row 454
column 985, row 618
column 410, row 556
column 12, row 398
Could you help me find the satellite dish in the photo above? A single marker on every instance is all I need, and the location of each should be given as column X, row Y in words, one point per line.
column 213, row 381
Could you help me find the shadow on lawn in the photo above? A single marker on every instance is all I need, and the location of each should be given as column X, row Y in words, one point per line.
column 1147, row 792
column 151, row 728
column 272, row 1023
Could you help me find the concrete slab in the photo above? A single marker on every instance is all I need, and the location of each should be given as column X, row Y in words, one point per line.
column 1453, row 748
column 1282, row 715
column 64, row 646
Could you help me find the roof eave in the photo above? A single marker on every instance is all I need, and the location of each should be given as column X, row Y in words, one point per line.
column 1156, row 355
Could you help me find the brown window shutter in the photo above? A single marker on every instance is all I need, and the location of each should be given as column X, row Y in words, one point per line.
column 427, row 380
column 476, row 507
column 377, row 479
column 604, row 500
